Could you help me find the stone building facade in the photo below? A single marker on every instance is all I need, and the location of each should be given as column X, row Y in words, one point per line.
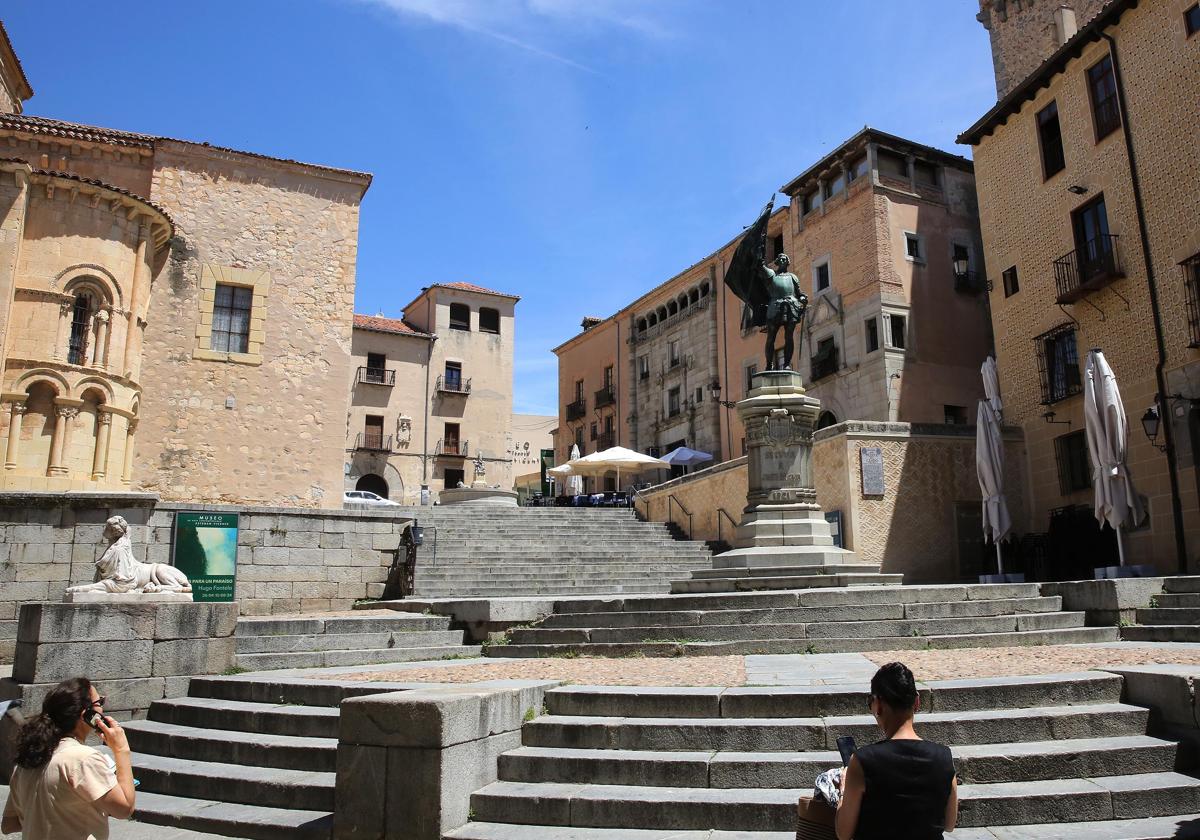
column 1024, row 32
column 430, row 392
column 892, row 332
column 175, row 317
column 1089, row 190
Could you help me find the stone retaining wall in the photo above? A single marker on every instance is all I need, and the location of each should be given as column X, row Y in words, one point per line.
column 289, row 559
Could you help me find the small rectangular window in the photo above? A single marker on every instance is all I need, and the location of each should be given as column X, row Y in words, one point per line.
column 699, row 397
column 643, row 367
column 913, row 249
column 1102, row 85
column 489, row 320
column 578, row 390
column 673, row 357
column 899, row 325
column 1191, row 19
column 231, row 319
column 859, row 167
column 872, row 326
column 955, row 415
column 776, row 245
column 460, row 317
column 579, row 439
column 595, row 433
column 837, row 185
column 811, row 200
column 1011, row 284
column 1074, row 468
column 925, row 173
column 892, row 165
column 1050, row 139
column 673, row 402
column 821, row 277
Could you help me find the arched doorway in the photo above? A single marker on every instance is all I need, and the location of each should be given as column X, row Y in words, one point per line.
column 826, row 420
column 373, row 484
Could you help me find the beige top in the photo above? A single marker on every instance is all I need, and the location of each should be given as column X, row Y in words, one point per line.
column 56, row 802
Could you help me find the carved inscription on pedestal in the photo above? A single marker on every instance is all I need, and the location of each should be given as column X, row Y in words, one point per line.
column 870, row 461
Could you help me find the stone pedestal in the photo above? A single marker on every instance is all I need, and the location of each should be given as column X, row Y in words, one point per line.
column 783, row 541
column 477, row 496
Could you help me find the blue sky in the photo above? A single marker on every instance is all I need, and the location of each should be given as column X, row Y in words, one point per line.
column 574, row 152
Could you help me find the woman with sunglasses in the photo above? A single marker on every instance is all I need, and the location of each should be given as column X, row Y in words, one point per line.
column 61, row 788
column 901, row 788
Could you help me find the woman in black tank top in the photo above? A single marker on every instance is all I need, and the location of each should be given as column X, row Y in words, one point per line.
column 901, row 788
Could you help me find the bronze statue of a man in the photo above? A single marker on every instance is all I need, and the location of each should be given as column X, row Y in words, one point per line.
column 772, row 300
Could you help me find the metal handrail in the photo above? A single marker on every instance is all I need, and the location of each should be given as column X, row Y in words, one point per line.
column 376, row 443
column 670, row 517
column 721, row 512
column 576, row 410
column 1087, row 268
column 376, row 376
column 453, row 386
column 606, row 440
column 605, row 396
column 457, row 449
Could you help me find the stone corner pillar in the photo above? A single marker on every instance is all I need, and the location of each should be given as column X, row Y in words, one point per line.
column 782, row 523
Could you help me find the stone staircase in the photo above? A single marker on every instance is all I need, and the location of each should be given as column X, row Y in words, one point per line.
column 759, row 578
column 1174, row 616
column 828, row 620
column 322, row 641
column 1037, row 757
column 470, row 551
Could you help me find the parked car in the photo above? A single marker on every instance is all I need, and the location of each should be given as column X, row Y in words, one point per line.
column 367, row 498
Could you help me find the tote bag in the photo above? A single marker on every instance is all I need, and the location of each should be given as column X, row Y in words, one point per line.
column 814, row 820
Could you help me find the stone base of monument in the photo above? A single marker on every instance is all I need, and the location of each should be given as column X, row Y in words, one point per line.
column 783, row 540
column 134, row 652
column 127, row 597
column 477, row 496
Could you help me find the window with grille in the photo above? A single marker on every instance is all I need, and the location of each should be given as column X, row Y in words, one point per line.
column 1102, row 85
column 1074, row 468
column 1058, row 364
column 1191, row 279
column 1050, row 139
column 81, row 324
column 914, row 249
column 231, row 319
column 1012, row 284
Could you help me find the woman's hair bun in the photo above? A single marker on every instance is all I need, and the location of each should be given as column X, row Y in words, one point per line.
column 894, row 684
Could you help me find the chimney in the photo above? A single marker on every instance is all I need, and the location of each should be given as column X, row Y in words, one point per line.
column 1065, row 23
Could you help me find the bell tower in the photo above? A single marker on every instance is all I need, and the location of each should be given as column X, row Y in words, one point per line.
column 1024, row 33
column 14, row 87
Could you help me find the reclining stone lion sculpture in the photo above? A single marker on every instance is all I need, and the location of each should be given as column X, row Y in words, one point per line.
column 118, row 570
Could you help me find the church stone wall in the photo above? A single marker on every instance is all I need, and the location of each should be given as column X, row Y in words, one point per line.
column 238, row 429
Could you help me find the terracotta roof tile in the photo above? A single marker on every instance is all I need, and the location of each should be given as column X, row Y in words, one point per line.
column 378, row 323
column 471, row 287
column 16, row 61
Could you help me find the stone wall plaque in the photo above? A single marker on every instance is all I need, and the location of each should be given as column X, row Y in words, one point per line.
column 870, row 461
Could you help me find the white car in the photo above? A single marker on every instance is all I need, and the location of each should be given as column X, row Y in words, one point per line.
column 366, row 497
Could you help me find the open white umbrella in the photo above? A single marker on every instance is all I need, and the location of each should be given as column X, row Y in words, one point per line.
column 616, row 458
column 1117, row 501
column 989, row 460
column 989, row 465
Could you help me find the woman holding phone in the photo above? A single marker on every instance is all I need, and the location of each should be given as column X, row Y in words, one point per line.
column 63, row 789
column 901, row 788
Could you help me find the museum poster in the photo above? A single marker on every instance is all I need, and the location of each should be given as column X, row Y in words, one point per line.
column 205, row 550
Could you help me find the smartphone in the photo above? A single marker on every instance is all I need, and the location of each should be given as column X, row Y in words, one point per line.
column 92, row 718
column 846, row 747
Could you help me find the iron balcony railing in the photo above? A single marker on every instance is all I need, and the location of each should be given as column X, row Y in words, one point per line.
column 376, row 376
column 605, row 396
column 607, row 440
column 824, row 364
column 453, row 385
column 576, row 410
column 373, row 442
column 1087, row 269
column 451, row 448
column 1191, row 280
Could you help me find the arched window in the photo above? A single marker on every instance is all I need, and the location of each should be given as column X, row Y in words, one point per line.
column 826, row 420
column 694, row 296
column 653, row 320
column 662, row 313
column 641, row 325
column 460, row 317
column 683, row 301
column 704, row 289
column 672, row 308
column 81, row 325
column 489, row 320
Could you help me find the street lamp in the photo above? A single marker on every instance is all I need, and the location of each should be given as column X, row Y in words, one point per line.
column 714, row 389
column 961, row 265
column 1150, row 424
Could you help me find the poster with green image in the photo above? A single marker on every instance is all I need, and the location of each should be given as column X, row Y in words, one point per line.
column 205, row 549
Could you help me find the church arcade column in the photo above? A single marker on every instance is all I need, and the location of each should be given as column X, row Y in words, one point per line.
column 103, row 437
column 13, row 450
column 130, row 432
column 62, row 426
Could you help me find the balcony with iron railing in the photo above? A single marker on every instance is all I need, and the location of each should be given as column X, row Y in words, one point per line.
column 451, row 448
column 376, row 376
column 576, row 410
column 606, row 440
column 453, row 385
column 373, row 442
column 605, row 396
column 1191, row 280
column 825, row 364
column 1087, row 269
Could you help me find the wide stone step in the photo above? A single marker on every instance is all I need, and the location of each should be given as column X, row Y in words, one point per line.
column 366, row 656
column 984, row 763
column 271, row 787
column 802, row 734
column 272, row 689
column 550, row 591
column 254, row 822
column 941, row 696
column 791, row 582
column 1169, row 615
column 1162, row 633
column 1186, row 583
column 347, row 641
column 803, row 615
column 228, row 747
column 683, row 646
column 339, row 625
column 1177, row 599
column 786, row 571
column 275, row 719
column 771, row 809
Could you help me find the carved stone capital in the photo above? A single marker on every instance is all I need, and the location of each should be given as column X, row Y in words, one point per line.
column 67, row 411
column 18, row 408
column 104, row 418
